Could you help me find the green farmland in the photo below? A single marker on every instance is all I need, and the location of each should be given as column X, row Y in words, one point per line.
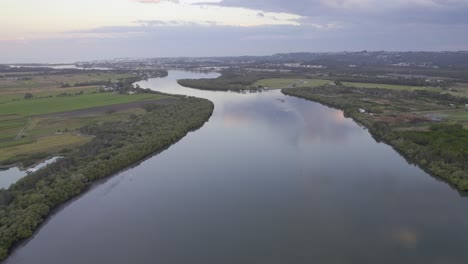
column 280, row 83
column 69, row 103
column 47, row 120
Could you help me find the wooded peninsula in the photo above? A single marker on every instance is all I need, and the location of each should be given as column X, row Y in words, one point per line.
column 115, row 145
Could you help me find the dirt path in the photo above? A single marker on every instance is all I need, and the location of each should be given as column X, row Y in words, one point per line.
column 20, row 134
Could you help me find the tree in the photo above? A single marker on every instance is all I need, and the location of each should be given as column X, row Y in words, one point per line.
column 5, row 197
column 28, row 96
column 338, row 83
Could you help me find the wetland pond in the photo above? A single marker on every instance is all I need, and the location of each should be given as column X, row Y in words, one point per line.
column 13, row 174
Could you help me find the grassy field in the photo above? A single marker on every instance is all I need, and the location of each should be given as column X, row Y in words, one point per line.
column 387, row 86
column 25, row 116
column 44, row 93
column 10, row 125
column 68, row 103
column 12, row 122
column 281, row 83
column 45, row 134
column 34, row 82
column 45, row 126
column 31, row 126
column 456, row 115
column 48, row 144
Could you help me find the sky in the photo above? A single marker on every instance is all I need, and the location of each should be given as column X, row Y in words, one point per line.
column 79, row 30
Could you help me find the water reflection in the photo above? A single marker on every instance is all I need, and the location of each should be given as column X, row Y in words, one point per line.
column 14, row 174
column 406, row 237
column 10, row 176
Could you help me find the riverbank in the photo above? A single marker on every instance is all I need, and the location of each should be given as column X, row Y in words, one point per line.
column 115, row 146
column 438, row 147
column 233, row 81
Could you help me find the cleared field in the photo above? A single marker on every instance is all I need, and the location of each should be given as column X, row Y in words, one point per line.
column 4, row 118
column 33, row 127
column 460, row 87
column 42, row 135
column 45, row 144
column 42, row 126
column 50, row 116
column 459, row 115
column 68, row 103
column 281, row 83
column 453, row 115
column 5, row 124
column 7, row 95
column 388, row 86
column 10, row 125
column 10, row 143
column 55, row 115
column 15, row 95
column 51, row 81
column 9, row 133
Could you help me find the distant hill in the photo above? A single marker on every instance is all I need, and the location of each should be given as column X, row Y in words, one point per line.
column 365, row 58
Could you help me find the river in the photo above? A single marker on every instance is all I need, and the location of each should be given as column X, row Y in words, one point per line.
column 269, row 179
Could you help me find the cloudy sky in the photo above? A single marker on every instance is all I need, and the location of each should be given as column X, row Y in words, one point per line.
column 73, row 30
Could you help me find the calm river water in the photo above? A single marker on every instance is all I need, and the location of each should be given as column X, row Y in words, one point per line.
column 269, row 179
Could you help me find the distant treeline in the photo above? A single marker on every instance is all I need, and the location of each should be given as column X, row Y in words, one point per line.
column 244, row 80
column 39, row 71
column 45, row 71
column 378, row 58
column 121, row 83
column 117, row 145
column 232, row 80
column 396, row 81
column 227, row 81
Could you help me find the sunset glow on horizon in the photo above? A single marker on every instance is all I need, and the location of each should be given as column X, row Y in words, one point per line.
column 68, row 30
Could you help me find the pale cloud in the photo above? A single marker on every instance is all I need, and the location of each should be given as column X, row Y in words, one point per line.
column 379, row 4
column 188, row 2
column 49, row 18
column 41, row 29
column 377, row 10
column 154, row 1
column 348, row 4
